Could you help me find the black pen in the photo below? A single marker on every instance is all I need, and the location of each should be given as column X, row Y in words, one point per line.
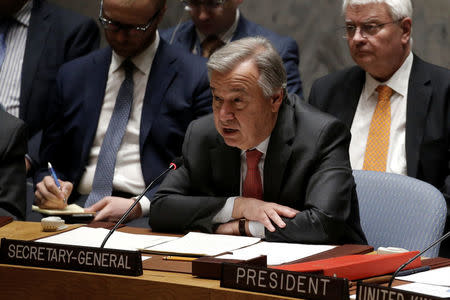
column 413, row 271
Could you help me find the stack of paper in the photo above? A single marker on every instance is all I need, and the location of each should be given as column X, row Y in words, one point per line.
column 93, row 237
column 434, row 282
column 202, row 244
column 277, row 253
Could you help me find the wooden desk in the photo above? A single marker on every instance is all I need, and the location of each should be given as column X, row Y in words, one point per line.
column 18, row 282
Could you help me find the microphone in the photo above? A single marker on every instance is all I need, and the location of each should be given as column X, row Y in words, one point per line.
column 177, row 162
column 416, row 256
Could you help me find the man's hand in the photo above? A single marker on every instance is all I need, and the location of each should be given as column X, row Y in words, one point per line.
column 264, row 212
column 111, row 209
column 231, row 228
column 48, row 195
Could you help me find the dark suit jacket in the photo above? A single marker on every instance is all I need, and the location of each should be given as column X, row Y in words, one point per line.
column 55, row 36
column 306, row 168
column 177, row 92
column 427, row 116
column 13, row 146
column 186, row 36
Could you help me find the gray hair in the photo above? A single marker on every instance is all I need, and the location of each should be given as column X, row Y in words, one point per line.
column 258, row 49
column 398, row 9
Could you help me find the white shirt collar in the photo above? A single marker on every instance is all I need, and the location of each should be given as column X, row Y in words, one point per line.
column 143, row 61
column 227, row 35
column 398, row 82
column 262, row 147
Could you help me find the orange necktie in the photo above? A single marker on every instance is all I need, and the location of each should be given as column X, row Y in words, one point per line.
column 377, row 146
column 211, row 44
column 252, row 187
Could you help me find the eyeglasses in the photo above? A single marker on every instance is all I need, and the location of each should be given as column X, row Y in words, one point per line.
column 115, row 26
column 365, row 30
column 208, row 4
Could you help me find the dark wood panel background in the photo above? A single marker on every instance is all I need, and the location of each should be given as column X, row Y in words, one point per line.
column 314, row 25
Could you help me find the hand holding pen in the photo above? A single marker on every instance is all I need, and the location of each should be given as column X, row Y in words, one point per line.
column 51, row 192
column 55, row 178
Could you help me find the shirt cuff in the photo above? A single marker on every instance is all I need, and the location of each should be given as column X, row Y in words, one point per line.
column 145, row 206
column 256, row 229
column 225, row 214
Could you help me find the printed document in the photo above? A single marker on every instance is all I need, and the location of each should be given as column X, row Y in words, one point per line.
column 277, row 253
column 202, row 244
column 93, row 237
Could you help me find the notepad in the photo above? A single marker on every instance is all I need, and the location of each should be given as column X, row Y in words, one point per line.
column 72, row 209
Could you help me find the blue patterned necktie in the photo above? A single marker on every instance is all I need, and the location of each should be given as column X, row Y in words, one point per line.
column 4, row 26
column 104, row 172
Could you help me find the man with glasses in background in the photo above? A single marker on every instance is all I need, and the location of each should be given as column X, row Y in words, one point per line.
column 217, row 22
column 396, row 105
column 122, row 114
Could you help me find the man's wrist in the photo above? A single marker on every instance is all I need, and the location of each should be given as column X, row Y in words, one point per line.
column 236, row 213
column 137, row 211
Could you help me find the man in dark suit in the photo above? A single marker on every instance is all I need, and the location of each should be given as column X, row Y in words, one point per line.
column 418, row 139
column 40, row 37
column 306, row 193
column 13, row 146
column 168, row 90
column 222, row 19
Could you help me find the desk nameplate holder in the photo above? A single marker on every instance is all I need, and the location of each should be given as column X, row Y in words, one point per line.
column 69, row 257
column 284, row 283
column 211, row 267
column 376, row 292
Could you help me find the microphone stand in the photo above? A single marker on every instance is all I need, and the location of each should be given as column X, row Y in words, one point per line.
column 125, row 215
column 416, row 256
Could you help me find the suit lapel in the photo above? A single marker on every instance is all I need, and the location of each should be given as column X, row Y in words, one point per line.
column 227, row 168
column 164, row 70
column 419, row 96
column 95, row 94
column 186, row 36
column 350, row 94
column 36, row 40
column 241, row 29
column 278, row 152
